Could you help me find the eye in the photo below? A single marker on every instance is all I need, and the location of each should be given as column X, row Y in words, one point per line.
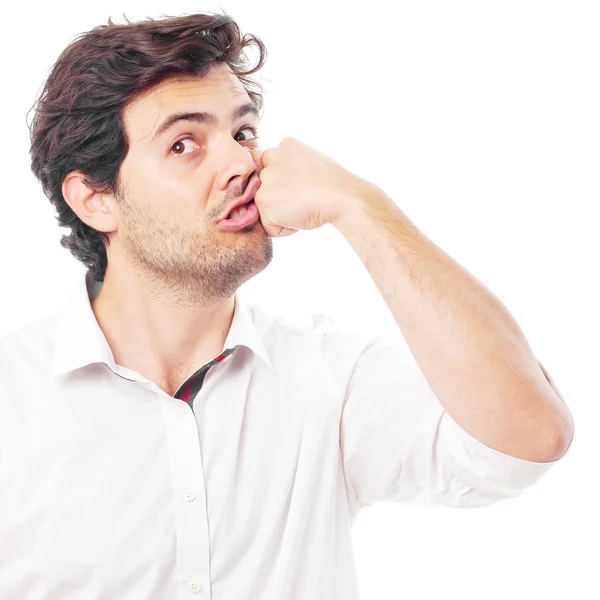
column 189, row 137
column 252, row 129
column 180, row 143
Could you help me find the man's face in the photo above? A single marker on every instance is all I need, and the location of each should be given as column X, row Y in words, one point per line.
column 175, row 186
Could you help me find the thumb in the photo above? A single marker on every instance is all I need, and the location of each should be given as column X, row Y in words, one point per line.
column 256, row 154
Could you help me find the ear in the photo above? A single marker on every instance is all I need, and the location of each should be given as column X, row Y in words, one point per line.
column 90, row 206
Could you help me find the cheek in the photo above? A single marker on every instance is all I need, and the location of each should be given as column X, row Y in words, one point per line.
column 150, row 185
column 179, row 185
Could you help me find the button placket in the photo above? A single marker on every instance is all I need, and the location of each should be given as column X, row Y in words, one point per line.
column 191, row 520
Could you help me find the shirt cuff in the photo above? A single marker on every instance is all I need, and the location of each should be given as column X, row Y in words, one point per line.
column 485, row 469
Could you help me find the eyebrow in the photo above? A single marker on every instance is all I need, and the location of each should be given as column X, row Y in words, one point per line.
column 203, row 117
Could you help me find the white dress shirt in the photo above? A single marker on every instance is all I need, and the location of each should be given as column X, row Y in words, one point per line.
column 243, row 485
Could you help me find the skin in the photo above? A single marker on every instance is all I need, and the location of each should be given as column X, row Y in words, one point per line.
column 167, row 301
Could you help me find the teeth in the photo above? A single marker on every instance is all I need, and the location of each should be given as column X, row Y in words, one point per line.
column 237, row 211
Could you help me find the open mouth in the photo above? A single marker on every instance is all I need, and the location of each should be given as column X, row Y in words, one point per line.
column 239, row 210
column 241, row 217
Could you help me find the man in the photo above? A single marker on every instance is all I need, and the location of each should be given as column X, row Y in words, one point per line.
column 160, row 437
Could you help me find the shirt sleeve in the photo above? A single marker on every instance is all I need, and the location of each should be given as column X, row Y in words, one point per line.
column 398, row 443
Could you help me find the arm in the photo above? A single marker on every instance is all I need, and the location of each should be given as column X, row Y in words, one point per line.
column 467, row 344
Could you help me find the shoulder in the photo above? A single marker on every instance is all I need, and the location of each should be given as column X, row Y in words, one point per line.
column 27, row 348
column 320, row 336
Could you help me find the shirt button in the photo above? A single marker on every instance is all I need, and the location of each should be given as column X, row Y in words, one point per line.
column 190, row 495
column 195, row 586
column 179, row 408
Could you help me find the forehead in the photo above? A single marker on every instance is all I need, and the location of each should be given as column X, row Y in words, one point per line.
column 218, row 91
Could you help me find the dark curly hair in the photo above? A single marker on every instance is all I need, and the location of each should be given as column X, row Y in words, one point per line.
column 78, row 120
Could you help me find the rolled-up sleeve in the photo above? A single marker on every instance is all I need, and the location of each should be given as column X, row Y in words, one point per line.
column 399, row 444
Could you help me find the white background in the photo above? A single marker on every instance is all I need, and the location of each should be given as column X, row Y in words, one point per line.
column 481, row 120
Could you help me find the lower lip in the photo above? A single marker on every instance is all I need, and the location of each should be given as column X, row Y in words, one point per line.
column 250, row 216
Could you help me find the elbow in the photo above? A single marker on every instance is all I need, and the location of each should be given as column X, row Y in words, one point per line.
column 562, row 437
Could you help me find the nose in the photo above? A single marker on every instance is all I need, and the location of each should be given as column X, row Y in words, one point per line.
column 240, row 162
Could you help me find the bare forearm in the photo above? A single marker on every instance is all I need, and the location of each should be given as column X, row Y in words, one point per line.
column 467, row 344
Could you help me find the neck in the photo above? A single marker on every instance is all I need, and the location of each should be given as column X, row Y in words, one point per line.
column 160, row 333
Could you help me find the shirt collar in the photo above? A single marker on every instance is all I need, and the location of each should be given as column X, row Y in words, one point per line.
column 79, row 341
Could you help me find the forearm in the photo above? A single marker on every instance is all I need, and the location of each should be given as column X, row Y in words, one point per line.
column 470, row 349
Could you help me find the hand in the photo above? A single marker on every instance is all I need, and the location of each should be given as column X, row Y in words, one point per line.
column 301, row 188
